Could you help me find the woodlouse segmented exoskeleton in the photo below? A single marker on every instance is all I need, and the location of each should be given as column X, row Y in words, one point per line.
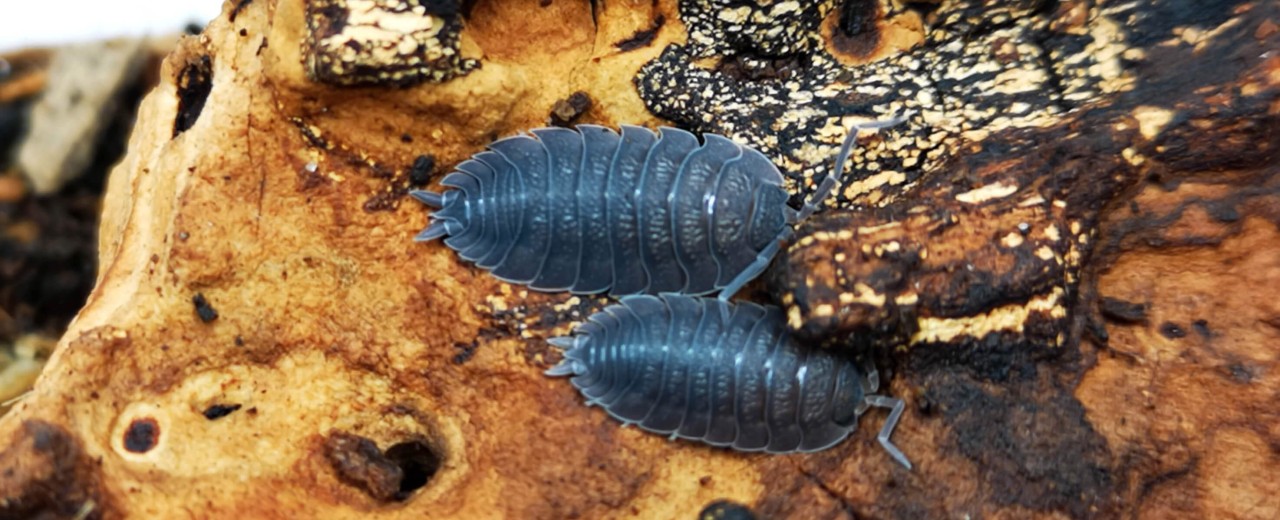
column 591, row 210
column 724, row 373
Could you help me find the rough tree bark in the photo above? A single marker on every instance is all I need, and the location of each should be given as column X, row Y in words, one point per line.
column 1064, row 258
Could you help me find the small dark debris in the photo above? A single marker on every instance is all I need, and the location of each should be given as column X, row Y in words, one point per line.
column 1123, row 311
column 420, row 172
column 239, row 341
column 193, row 28
column 544, row 3
column 194, row 84
column 204, row 310
column 1241, row 374
column 465, row 352
column 379, row 171
column 244, row 32
column 1172, row 330
column 704, row 481
column 314, row 139
column 219, row 411
column 252, row 410
column 360, row 463
column 642, row 38
column 404, row 468
column 142, row 435
column 1202, row 328
column 726, row 510
column 406, row 138
column 386, row 200
column 568, row 110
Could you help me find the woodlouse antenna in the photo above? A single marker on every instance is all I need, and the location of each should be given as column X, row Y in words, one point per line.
column 828, row 184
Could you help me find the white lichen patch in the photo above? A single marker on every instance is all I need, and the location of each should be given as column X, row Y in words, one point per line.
column 993, row 191
column 1152, row 120
column 354, row 42
column 1008, row 318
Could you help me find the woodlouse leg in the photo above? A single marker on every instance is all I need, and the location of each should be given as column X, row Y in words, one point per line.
column 752, row 271
column 429, row 198
column 829, row 183
column 895, row 406
column 873, row 377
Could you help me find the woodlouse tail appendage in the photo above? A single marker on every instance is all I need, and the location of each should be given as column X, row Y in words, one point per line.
column 437, row 228
column 453, row 212
column 722, row 373
column 570, row 366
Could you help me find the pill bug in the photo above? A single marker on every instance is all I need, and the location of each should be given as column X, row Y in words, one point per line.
column 724, row 373
column 589, row 210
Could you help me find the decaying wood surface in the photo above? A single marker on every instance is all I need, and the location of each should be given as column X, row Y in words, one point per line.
column 1064, row 258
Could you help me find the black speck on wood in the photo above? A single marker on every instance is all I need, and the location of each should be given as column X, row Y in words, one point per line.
column 219, row 411
column 568, row 110
column 1172, row 330
column 204, row 310
column 420, row 172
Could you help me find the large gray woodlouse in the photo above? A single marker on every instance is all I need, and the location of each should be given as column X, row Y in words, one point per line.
column 727, row 374
column 591, row 211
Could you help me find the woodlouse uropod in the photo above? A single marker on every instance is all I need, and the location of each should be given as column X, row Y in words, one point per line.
column 591, row 210
column 724, row 373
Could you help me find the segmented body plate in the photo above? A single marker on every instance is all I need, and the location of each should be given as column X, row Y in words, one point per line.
column 727, row 374
column 591, row 210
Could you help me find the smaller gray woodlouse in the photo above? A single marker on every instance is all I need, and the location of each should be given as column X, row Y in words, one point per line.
column 590, row 210
column 727, row 374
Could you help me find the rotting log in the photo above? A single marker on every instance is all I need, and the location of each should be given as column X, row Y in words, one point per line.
column 1063, row 257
